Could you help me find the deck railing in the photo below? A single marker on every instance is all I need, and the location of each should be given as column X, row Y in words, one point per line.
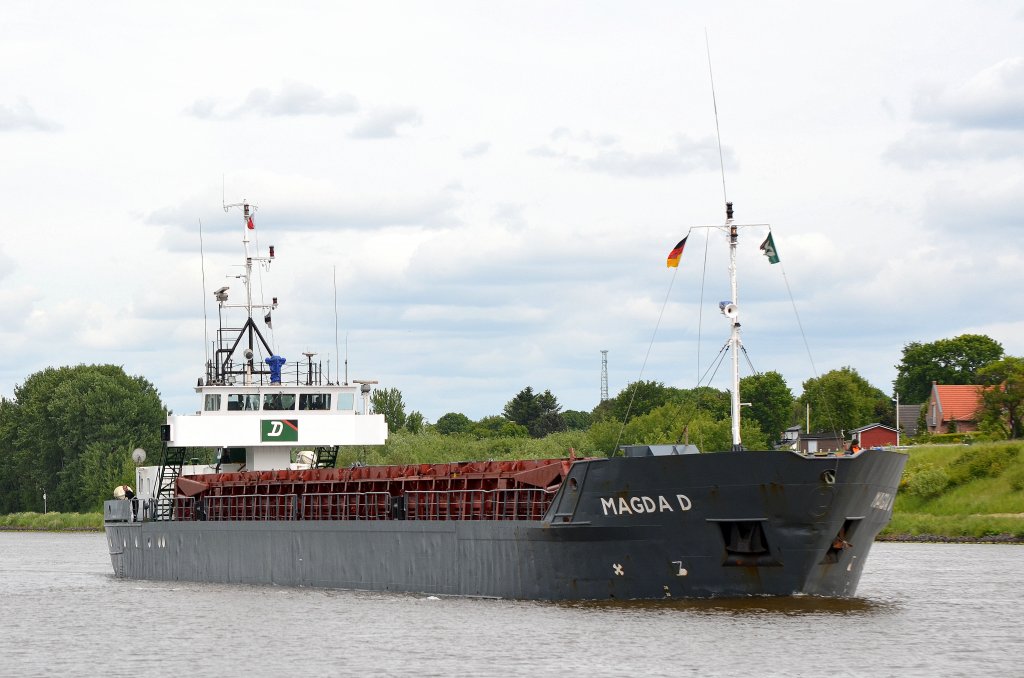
column 345, row 506
column 249, row 507
column 529, row 504
column 519, row 504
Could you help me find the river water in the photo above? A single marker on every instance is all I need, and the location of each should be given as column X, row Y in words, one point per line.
column 921, row 610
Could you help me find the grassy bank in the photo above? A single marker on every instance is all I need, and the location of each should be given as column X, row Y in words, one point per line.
column 961, row 492
column 52, row 522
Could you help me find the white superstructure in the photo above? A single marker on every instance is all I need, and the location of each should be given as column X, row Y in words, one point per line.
column 257, row 410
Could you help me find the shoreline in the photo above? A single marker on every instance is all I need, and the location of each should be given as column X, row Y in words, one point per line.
column 19, row 528
column 950, row 539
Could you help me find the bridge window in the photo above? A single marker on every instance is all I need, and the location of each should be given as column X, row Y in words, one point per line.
column 314, row 401
column 211, row 403
column 346, row 401
column 279, row 401
column 243, row 401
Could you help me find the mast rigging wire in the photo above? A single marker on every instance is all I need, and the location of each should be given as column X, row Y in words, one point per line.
column 643, row 366
column 206, row 329
column 337, row 352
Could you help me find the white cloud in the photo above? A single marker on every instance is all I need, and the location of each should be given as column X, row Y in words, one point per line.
column 22, row 115
column 293, row 99
column 315, row 211
column 476, row 150
column 383, row 123
column 981, row 118
column 603, row 153
column 991, row 99
column 469, row 267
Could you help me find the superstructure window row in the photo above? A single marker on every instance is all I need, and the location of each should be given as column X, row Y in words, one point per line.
column 277, row 402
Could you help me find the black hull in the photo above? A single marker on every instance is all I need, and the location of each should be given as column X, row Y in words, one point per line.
column 695, row 525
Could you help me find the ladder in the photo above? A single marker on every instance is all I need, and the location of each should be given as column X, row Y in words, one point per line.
column 170, row 469
column 326, row 457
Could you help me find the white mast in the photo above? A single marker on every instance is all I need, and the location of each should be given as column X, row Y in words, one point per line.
column 246, row 220
column 731, row 311
column 250, row 328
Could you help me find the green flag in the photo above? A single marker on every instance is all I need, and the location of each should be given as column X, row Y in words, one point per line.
column 768, row 247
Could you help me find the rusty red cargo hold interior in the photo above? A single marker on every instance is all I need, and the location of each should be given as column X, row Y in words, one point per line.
column 481, row 490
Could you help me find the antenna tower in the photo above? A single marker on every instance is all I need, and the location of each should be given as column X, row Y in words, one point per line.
column 604, row 376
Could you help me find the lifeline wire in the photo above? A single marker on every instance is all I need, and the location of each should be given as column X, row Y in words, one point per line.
column 644, row 365
column 807, row 346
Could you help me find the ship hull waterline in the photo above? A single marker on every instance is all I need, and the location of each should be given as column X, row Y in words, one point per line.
column 696, row 525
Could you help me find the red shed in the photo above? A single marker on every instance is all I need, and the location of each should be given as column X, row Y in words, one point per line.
column 874, row 435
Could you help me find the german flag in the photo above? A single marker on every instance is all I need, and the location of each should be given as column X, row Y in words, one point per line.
column 677, row 251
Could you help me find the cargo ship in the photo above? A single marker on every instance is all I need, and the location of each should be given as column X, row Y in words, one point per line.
column 644, row 522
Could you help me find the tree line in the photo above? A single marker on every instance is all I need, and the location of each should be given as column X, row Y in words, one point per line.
column 837, row 401
column 69, row 432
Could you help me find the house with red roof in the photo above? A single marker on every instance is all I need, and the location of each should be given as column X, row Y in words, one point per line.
column 953, row 408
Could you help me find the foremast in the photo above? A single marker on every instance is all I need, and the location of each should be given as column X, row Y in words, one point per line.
column 731, row 312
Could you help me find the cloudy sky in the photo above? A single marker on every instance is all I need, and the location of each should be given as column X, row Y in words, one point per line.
column 497, row 184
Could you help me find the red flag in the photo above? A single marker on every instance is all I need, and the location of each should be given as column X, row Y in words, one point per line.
column 252, row 226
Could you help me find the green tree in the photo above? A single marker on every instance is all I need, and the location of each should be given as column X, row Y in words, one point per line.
column 841, row 400
column 576, row 420
column 675, row 423
column 388, row 401
column 946, row 361
column 523, row 408
column 540, row 413
column 715, row 402
column 771, row 402
column 414, row 422
column 453, row 422
column 70, row 431
column 1003, row 399
column 636, row 400
column 10, row 460
column 497, row 426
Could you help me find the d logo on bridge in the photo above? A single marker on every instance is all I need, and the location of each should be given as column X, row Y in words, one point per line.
column 279, row 430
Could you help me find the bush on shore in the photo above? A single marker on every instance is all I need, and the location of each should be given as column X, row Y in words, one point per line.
column 51, row 522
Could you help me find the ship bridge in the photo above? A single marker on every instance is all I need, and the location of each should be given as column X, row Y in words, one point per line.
column 269, row 420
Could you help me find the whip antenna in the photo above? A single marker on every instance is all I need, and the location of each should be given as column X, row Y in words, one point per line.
column 337, row 352
column 714, row 103
column 202, row 266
